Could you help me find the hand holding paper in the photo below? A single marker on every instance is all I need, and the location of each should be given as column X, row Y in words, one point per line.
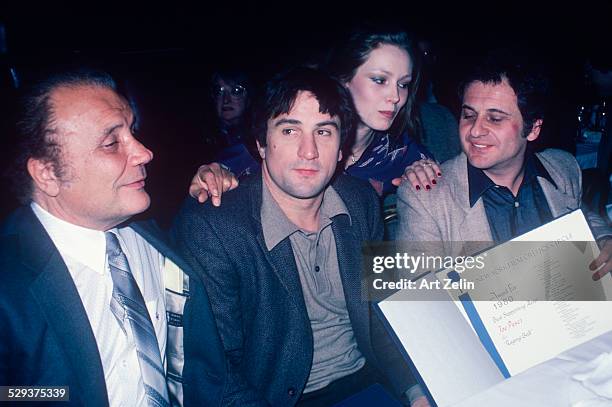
column 604, row 258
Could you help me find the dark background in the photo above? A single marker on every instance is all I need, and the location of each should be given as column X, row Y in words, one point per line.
column 165, row 54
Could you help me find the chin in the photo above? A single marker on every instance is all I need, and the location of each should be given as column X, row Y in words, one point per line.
column 139, row 205
column 482, row 164
column 381, row 126
column 307, row 193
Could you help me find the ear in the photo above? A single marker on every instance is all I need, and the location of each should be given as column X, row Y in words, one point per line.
column 535, row 130
column 262, row 150
column 339, row 155
column 45, row 177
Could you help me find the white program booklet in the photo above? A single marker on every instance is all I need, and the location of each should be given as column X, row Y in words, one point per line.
column 440, row 345
column 542, row 299
column 461, row 346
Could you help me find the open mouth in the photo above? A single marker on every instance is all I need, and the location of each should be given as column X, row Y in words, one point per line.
column 480, row 147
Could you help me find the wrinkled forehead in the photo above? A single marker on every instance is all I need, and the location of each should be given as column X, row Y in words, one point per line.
column 83, row 102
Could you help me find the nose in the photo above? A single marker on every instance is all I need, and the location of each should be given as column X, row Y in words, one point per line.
column 393, row 95
column 478, row 128
column 226, row 97
column 308, row 148
column 140, row 155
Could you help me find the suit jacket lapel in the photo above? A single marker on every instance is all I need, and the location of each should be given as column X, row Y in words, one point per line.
column 59, row 301
column 281, row 257
column 474, row 227
column 558, row 202
column 283, row 263
column 347, row 246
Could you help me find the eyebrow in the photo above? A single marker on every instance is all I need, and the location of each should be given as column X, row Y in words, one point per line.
column 110, row 129
column 297, row 122
column 407, row 76
column 492, row 110
column 328, row 123
column 286, row 121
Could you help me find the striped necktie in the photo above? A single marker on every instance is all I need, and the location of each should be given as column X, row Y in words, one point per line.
column 127, row 304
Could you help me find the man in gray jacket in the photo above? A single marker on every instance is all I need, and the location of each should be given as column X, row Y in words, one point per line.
column 497, row 188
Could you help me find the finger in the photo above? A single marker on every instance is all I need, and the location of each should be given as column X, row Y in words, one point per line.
column 430, row 173
column 234, row 182
column 603, row 271
column 423, row 178
column 197, row 186
column 436, row 168
column 209, row 182
column 201, row 174
column 413, row 179
column 227, row 181
column 216, row 200
column 601, row 259
column 214, row 178
column 203, row 196
column 218, row 173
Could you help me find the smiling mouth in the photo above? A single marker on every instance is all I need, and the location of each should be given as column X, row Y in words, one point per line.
column 480, row 146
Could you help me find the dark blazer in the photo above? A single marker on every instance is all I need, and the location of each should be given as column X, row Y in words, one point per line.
column 46, row 338
column 257, row 298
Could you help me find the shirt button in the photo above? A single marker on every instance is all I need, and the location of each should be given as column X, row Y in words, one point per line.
column 516, row 204
column 291, row 392
column 317, row 268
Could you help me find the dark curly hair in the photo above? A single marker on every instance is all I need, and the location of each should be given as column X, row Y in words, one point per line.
column 280, row 92
column 526, row 79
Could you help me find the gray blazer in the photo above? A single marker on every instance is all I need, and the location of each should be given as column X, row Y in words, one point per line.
column 444, row 213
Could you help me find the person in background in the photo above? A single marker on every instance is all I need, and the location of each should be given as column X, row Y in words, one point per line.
column 231, row 93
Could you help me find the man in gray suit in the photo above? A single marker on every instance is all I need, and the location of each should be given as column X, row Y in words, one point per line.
column 497, row 188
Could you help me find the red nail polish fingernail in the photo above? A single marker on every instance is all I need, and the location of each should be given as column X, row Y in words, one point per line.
column 418, row 187
column 427, row 187
column 433, row 181
column 439, row 174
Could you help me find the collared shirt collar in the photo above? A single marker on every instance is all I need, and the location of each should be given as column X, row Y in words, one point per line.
column 87, row 246
column 277, row 226
column 479, row 182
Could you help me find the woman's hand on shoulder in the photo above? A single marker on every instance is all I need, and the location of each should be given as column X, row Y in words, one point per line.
column 212, row 180
column 421, row 174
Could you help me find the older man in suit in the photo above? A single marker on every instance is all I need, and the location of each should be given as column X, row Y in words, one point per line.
column 497, row 188
column 283, row 262
column 88, row 300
